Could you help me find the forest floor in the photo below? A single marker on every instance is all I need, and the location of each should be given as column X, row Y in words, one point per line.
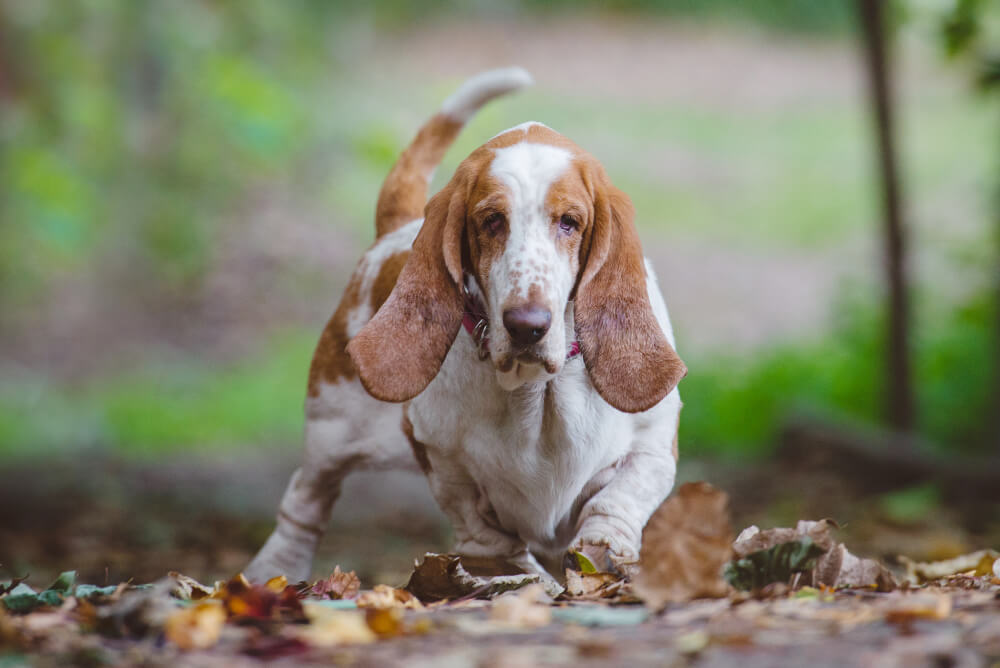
column 113, row 522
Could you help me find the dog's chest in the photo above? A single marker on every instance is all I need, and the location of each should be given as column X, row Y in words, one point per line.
column 531, row 451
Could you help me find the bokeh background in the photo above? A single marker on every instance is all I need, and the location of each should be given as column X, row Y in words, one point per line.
column 185, row 188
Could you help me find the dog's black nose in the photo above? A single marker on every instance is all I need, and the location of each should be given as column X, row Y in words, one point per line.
column 527, row 324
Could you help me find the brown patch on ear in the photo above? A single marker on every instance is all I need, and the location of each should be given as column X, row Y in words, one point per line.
column 330, row 362
column 630, row 361
column 401, row 349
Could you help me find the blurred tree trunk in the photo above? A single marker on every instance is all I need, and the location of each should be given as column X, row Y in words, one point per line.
column 994, row 425
column 899, row 387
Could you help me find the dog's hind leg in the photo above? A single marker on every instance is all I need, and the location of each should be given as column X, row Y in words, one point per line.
column 346, row 430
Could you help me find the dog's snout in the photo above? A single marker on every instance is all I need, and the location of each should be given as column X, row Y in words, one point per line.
column 527, row 324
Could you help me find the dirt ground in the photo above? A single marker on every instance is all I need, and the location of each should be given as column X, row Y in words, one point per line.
column 114, row 520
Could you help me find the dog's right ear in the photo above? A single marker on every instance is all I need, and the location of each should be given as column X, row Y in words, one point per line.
column 401, row 349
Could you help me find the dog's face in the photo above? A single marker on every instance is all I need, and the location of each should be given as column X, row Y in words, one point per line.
column 553, row 250
column 527, row 214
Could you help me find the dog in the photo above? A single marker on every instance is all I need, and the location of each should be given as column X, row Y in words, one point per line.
column 511, row 341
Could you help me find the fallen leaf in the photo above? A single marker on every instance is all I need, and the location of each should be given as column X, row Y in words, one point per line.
column 593, row 585
column 450, row 576
column 776, row 564
column 22, row 598
column 189, row 589
column 583, row 562
column 196, row 627
column 277, row 584
column 832, row 564
column 339, row 585
column 259, row 602
column 139, row 612
column 685, row 544
column 92, row 591
column 529, row 607
column 9, row 587
column 329, row 627
column 384, row 596
column 978, row 563
column 385, row 622
column 64, row 583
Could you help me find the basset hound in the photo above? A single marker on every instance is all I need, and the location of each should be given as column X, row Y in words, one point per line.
column 510, row 340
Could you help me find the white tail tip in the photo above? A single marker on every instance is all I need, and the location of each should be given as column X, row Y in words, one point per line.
column 482, row 88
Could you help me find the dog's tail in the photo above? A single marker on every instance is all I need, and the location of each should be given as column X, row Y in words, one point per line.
column 404, row 192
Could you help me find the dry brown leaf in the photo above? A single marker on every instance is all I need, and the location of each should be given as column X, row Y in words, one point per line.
column 260, row 602
column 189, row 589
column 450, row 576
column 196, row 627
column 384, row 596
column 685, row 544
column 339, row 585
column 837, row 567
column 978, row 563
column 592, row 585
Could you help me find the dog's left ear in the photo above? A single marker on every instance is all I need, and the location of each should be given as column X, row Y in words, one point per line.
column 630, row 361
column 400, row 350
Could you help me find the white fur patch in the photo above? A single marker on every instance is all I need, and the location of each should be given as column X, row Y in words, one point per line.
column 482, row 88
column 531, row 258
column 520, row 127
column 397, row 241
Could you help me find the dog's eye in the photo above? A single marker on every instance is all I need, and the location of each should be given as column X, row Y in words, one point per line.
column 568, row 223
column 494, row 223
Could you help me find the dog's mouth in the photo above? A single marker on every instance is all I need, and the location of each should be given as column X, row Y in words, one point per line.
column 522, row 367
column 530, row 357
column 525, row 358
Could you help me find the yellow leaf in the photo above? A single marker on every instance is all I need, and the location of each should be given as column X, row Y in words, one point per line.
column 277, row 584
column 328, row 627
column 196, row 627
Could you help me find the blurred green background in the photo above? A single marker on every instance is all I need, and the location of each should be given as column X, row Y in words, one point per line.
column 186, row 187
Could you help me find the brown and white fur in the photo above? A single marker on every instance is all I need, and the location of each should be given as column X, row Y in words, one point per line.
column 527, row 452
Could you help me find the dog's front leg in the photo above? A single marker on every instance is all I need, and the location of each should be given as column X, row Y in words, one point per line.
column 609, row 528
column 478, row 532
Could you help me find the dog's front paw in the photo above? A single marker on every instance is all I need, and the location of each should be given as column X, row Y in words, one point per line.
column 602, row 556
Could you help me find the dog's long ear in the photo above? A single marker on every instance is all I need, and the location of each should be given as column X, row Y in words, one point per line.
column 630, row 361
column 401, row 349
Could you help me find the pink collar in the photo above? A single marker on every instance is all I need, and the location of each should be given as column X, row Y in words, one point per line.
column 477, row 325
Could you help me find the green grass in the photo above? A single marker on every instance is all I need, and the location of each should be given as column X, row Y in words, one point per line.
column 734, row 405
column 166, row 407
column 737, row 404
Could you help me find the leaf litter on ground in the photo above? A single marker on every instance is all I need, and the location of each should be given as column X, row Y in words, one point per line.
column 696, row 586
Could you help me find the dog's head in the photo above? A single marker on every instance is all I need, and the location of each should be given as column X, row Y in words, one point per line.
column 550, row 244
